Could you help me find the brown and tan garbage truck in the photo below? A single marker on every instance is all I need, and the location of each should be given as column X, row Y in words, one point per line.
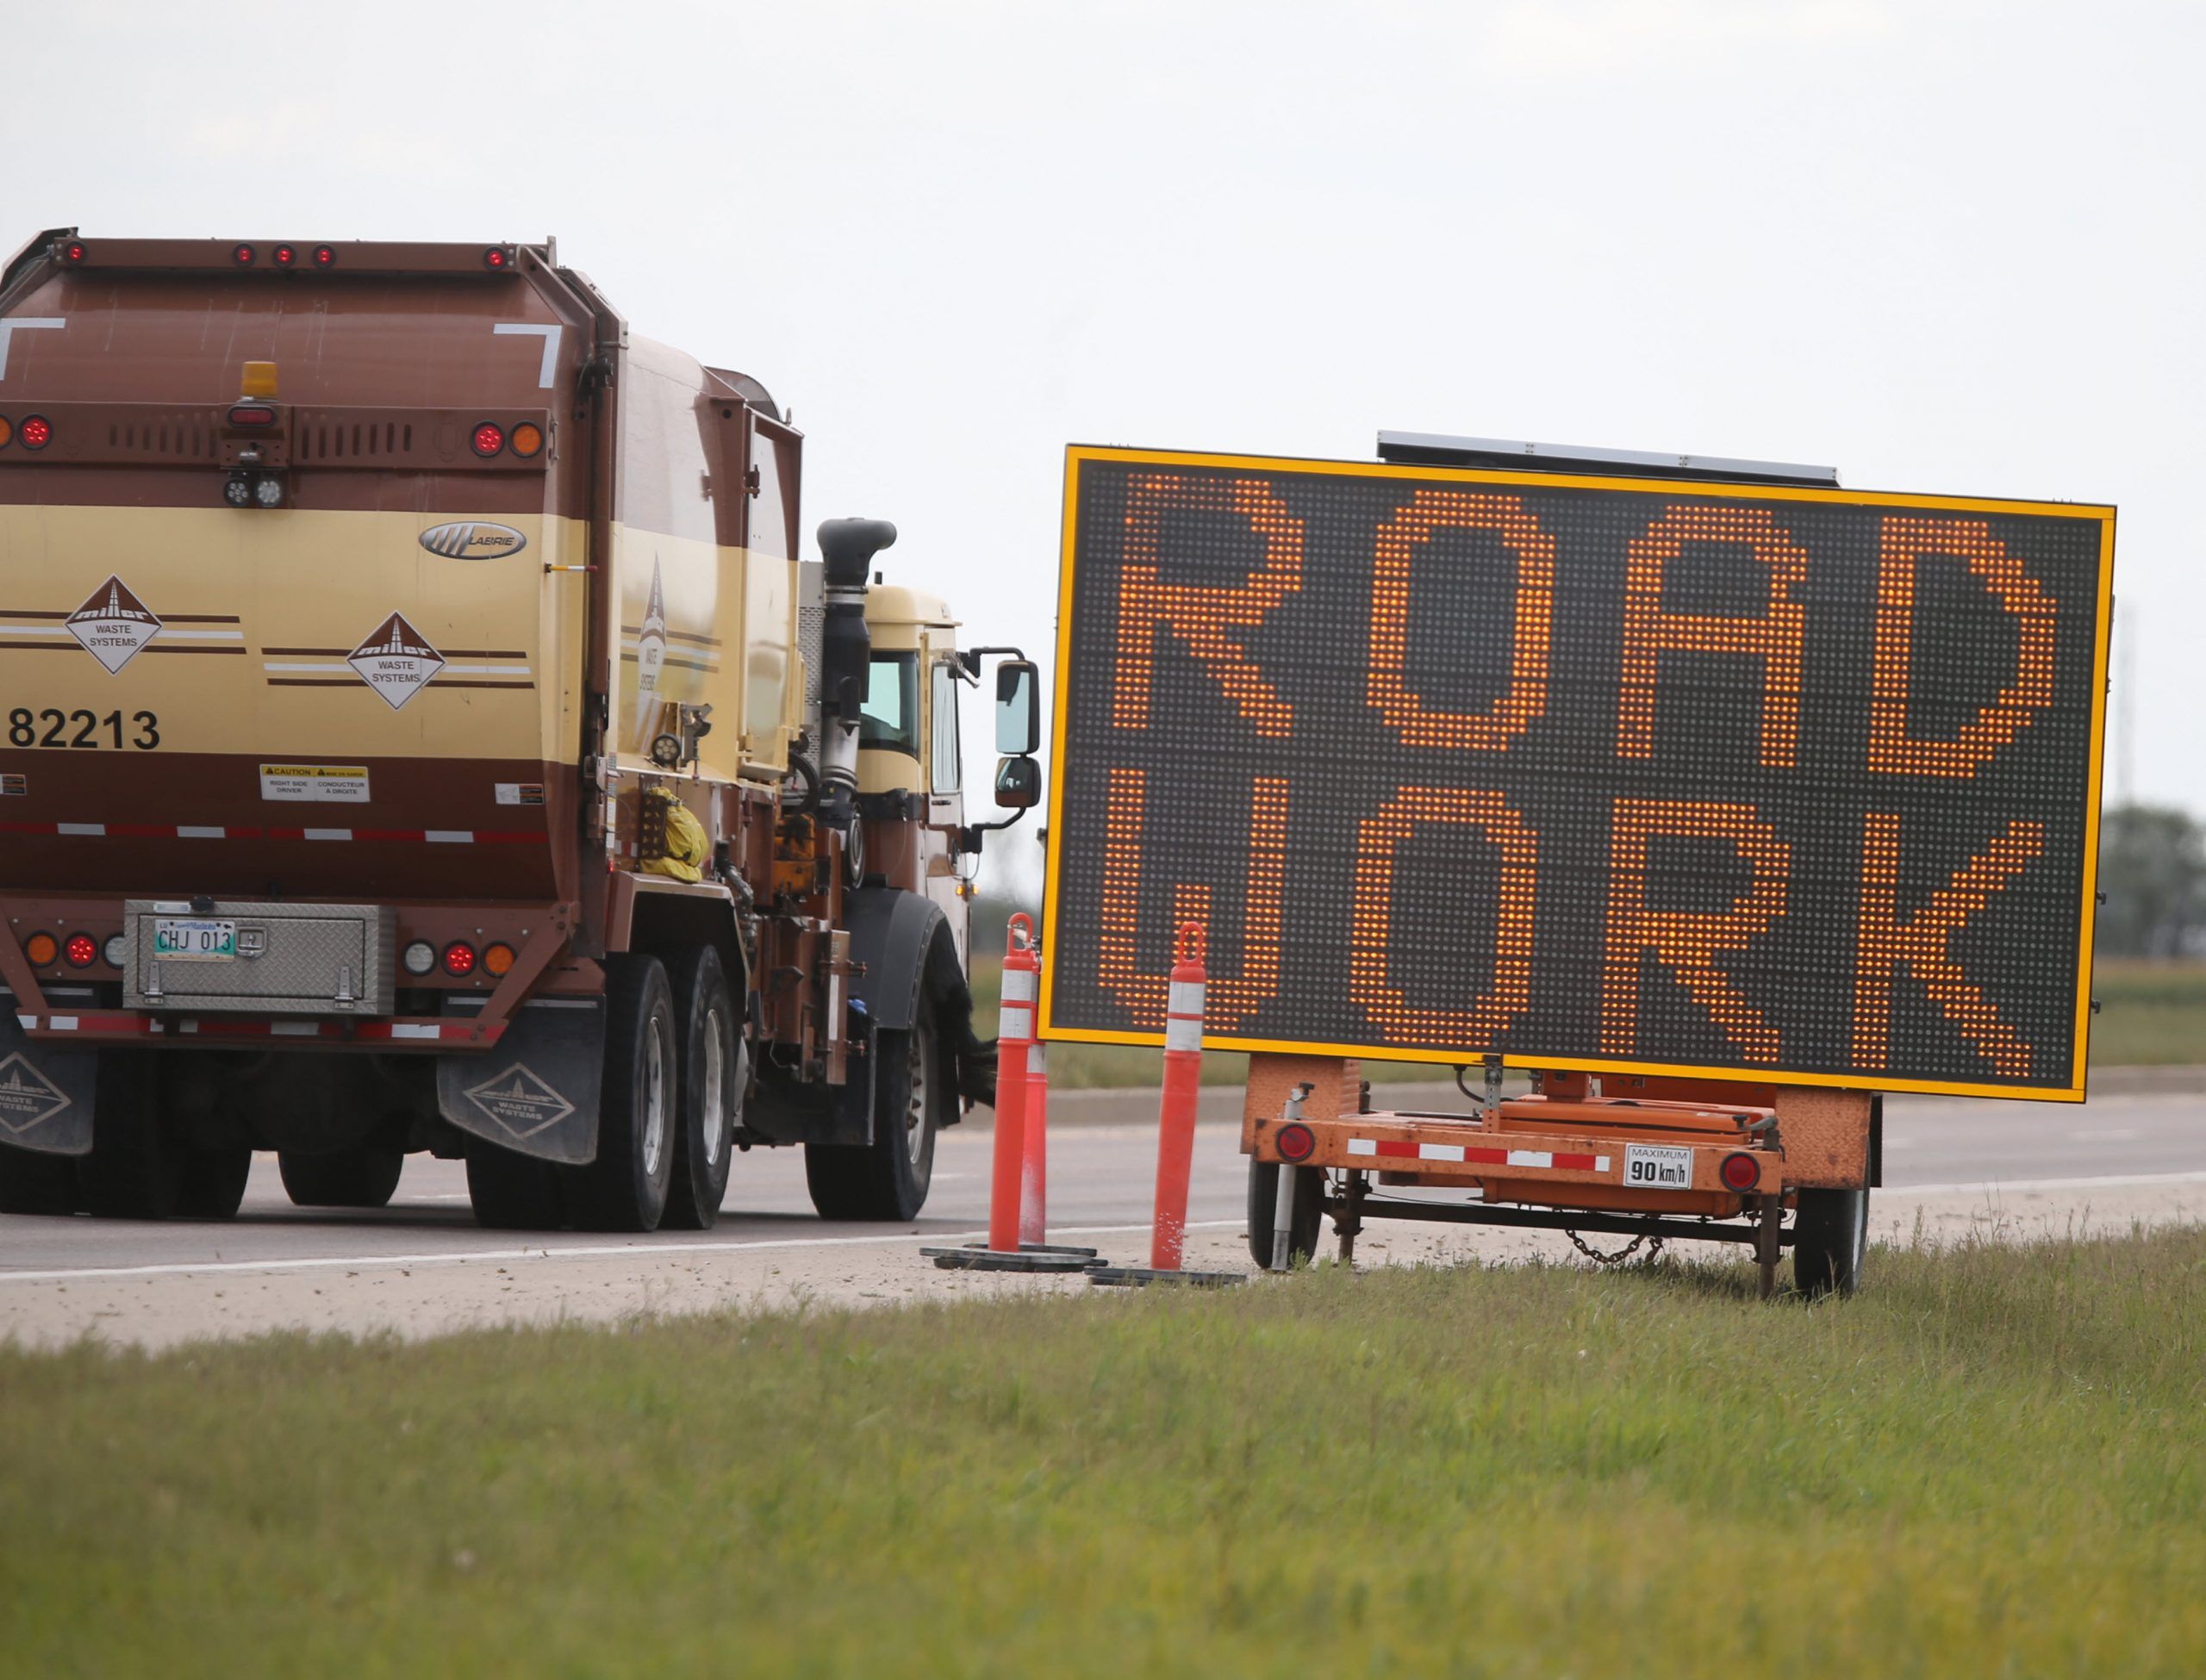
column 424, row 731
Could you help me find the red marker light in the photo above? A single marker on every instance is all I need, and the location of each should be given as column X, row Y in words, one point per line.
column 243, row 255
column 489, row 437
column 1296, row 1142
column 460, row 958
column 81, row 950
column 325, row 256
column 251, row 414
column 285, row 255
column 73, row 251
column 495, row 258
column 35, row 432
column 1740, row 1173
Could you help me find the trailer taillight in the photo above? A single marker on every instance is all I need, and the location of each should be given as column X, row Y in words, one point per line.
column 1296, row 1142
column 35, row 432
column 251, row 414
column 285, row 255
column 41, row 949
column 243, row 255
column 1740, row 1173
column 460, row 958
column 489, row 437
column 82, row 950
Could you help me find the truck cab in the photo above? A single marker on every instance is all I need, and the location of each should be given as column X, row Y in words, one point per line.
column 910, row 759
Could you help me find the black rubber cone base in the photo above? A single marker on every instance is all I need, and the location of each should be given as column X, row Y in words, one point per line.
column 1139, row 1276
column 1022, row 1259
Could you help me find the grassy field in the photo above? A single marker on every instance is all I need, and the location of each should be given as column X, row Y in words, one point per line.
column 2154, row 1014
column 1993, row 1462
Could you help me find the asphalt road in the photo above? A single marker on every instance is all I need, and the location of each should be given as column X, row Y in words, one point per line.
column 1102, row 1165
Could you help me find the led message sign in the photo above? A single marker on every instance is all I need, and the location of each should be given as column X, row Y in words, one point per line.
column 1796, row 785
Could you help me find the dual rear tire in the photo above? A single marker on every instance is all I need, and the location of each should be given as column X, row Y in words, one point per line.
column 889, row 1179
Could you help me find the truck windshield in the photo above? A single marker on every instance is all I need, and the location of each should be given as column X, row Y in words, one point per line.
column 890, row 717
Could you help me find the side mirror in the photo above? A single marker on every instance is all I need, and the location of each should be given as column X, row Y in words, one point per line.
column 1018, row 784
column 1018, row 712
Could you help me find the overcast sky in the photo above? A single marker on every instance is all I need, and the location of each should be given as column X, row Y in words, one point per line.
column 1943, row 247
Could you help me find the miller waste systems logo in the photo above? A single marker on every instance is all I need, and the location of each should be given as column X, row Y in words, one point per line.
column 113, row 624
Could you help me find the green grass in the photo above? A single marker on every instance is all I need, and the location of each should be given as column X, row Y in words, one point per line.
column 1993, row 1462
column 2152, row 1014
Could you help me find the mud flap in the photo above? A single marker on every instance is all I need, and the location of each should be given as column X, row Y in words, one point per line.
column 45, row 1091
column 537, row 1091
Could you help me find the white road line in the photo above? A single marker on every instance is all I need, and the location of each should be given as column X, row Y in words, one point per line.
column 1993, row 1186
column 596, row 1251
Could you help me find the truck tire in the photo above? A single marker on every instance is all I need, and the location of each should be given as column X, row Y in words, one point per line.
column 1263, row 1203
column 34, row 1183
column 134, row 1169
column 888, row 1179
column 361, row 1178
column 715, row 1068
column 638, row 1107
column 210, row 1183
column 512, row 1192
column 1831, row 1238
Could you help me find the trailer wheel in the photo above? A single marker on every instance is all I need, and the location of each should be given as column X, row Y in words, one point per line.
column 361, row 1178
column 1264, row 1205
column 1831, row 1238
column 715, row 1069
column 640, row 1105
column 41, row 1184
column 888, row 1179
column 510, row 1191
column 210, row 1183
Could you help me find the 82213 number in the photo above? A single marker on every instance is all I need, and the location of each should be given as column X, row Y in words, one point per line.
column 54, row 727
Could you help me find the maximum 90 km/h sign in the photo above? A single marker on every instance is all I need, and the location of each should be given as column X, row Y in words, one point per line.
column 1794, row 785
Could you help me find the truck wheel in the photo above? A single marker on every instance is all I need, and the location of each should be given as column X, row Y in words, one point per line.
column 362, row 1178
column 888, row 1179
column 640, row 1105
column 210, row 1183
column 715, row 1068
column 35, row 1183
column 1264, row 1205
column 512, row 1192
column 134, row 1169
column 1830, row 1237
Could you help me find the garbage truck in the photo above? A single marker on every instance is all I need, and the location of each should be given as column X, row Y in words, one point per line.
column 426, row 730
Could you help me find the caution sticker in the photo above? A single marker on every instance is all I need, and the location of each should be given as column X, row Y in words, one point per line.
column 520, row 793
column 315, row 784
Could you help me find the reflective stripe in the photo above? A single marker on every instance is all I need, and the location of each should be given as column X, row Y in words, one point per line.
column 1016, row 1024
column 1362, row 1146
column 1019, row 986
column 1440, row 1151
column 1183, row 1033
column 1186, row 998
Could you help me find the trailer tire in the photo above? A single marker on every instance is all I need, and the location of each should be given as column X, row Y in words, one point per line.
column 1830, row 1239
column 361, row 1178
column 888, row 1179
column 638, row 1107
column 210, row 1183
column 715, row 1069
column 1263, row 1203
column 510, row 1191
column 38, row 1184
column 134, row 1169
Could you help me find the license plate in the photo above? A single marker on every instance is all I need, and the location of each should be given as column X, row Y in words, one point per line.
column 193, row 940
column 1657, row 1166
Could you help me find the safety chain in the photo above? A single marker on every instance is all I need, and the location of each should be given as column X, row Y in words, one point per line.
column 1622, row 1254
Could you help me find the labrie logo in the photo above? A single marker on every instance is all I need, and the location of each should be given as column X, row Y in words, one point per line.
column 473, row 539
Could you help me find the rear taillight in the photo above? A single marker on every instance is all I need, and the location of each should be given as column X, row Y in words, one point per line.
column 41, row 949
column 35, row 433
column 489, row 437
column 1296, row 1143
column 1740, row 1172
column 82, row 950
column 251, row 414
column 460, row 958
column 243, row 255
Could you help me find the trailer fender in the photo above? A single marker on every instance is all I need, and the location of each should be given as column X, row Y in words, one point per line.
column 45, row 1091
column 905, row 942
column 536, row 1091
